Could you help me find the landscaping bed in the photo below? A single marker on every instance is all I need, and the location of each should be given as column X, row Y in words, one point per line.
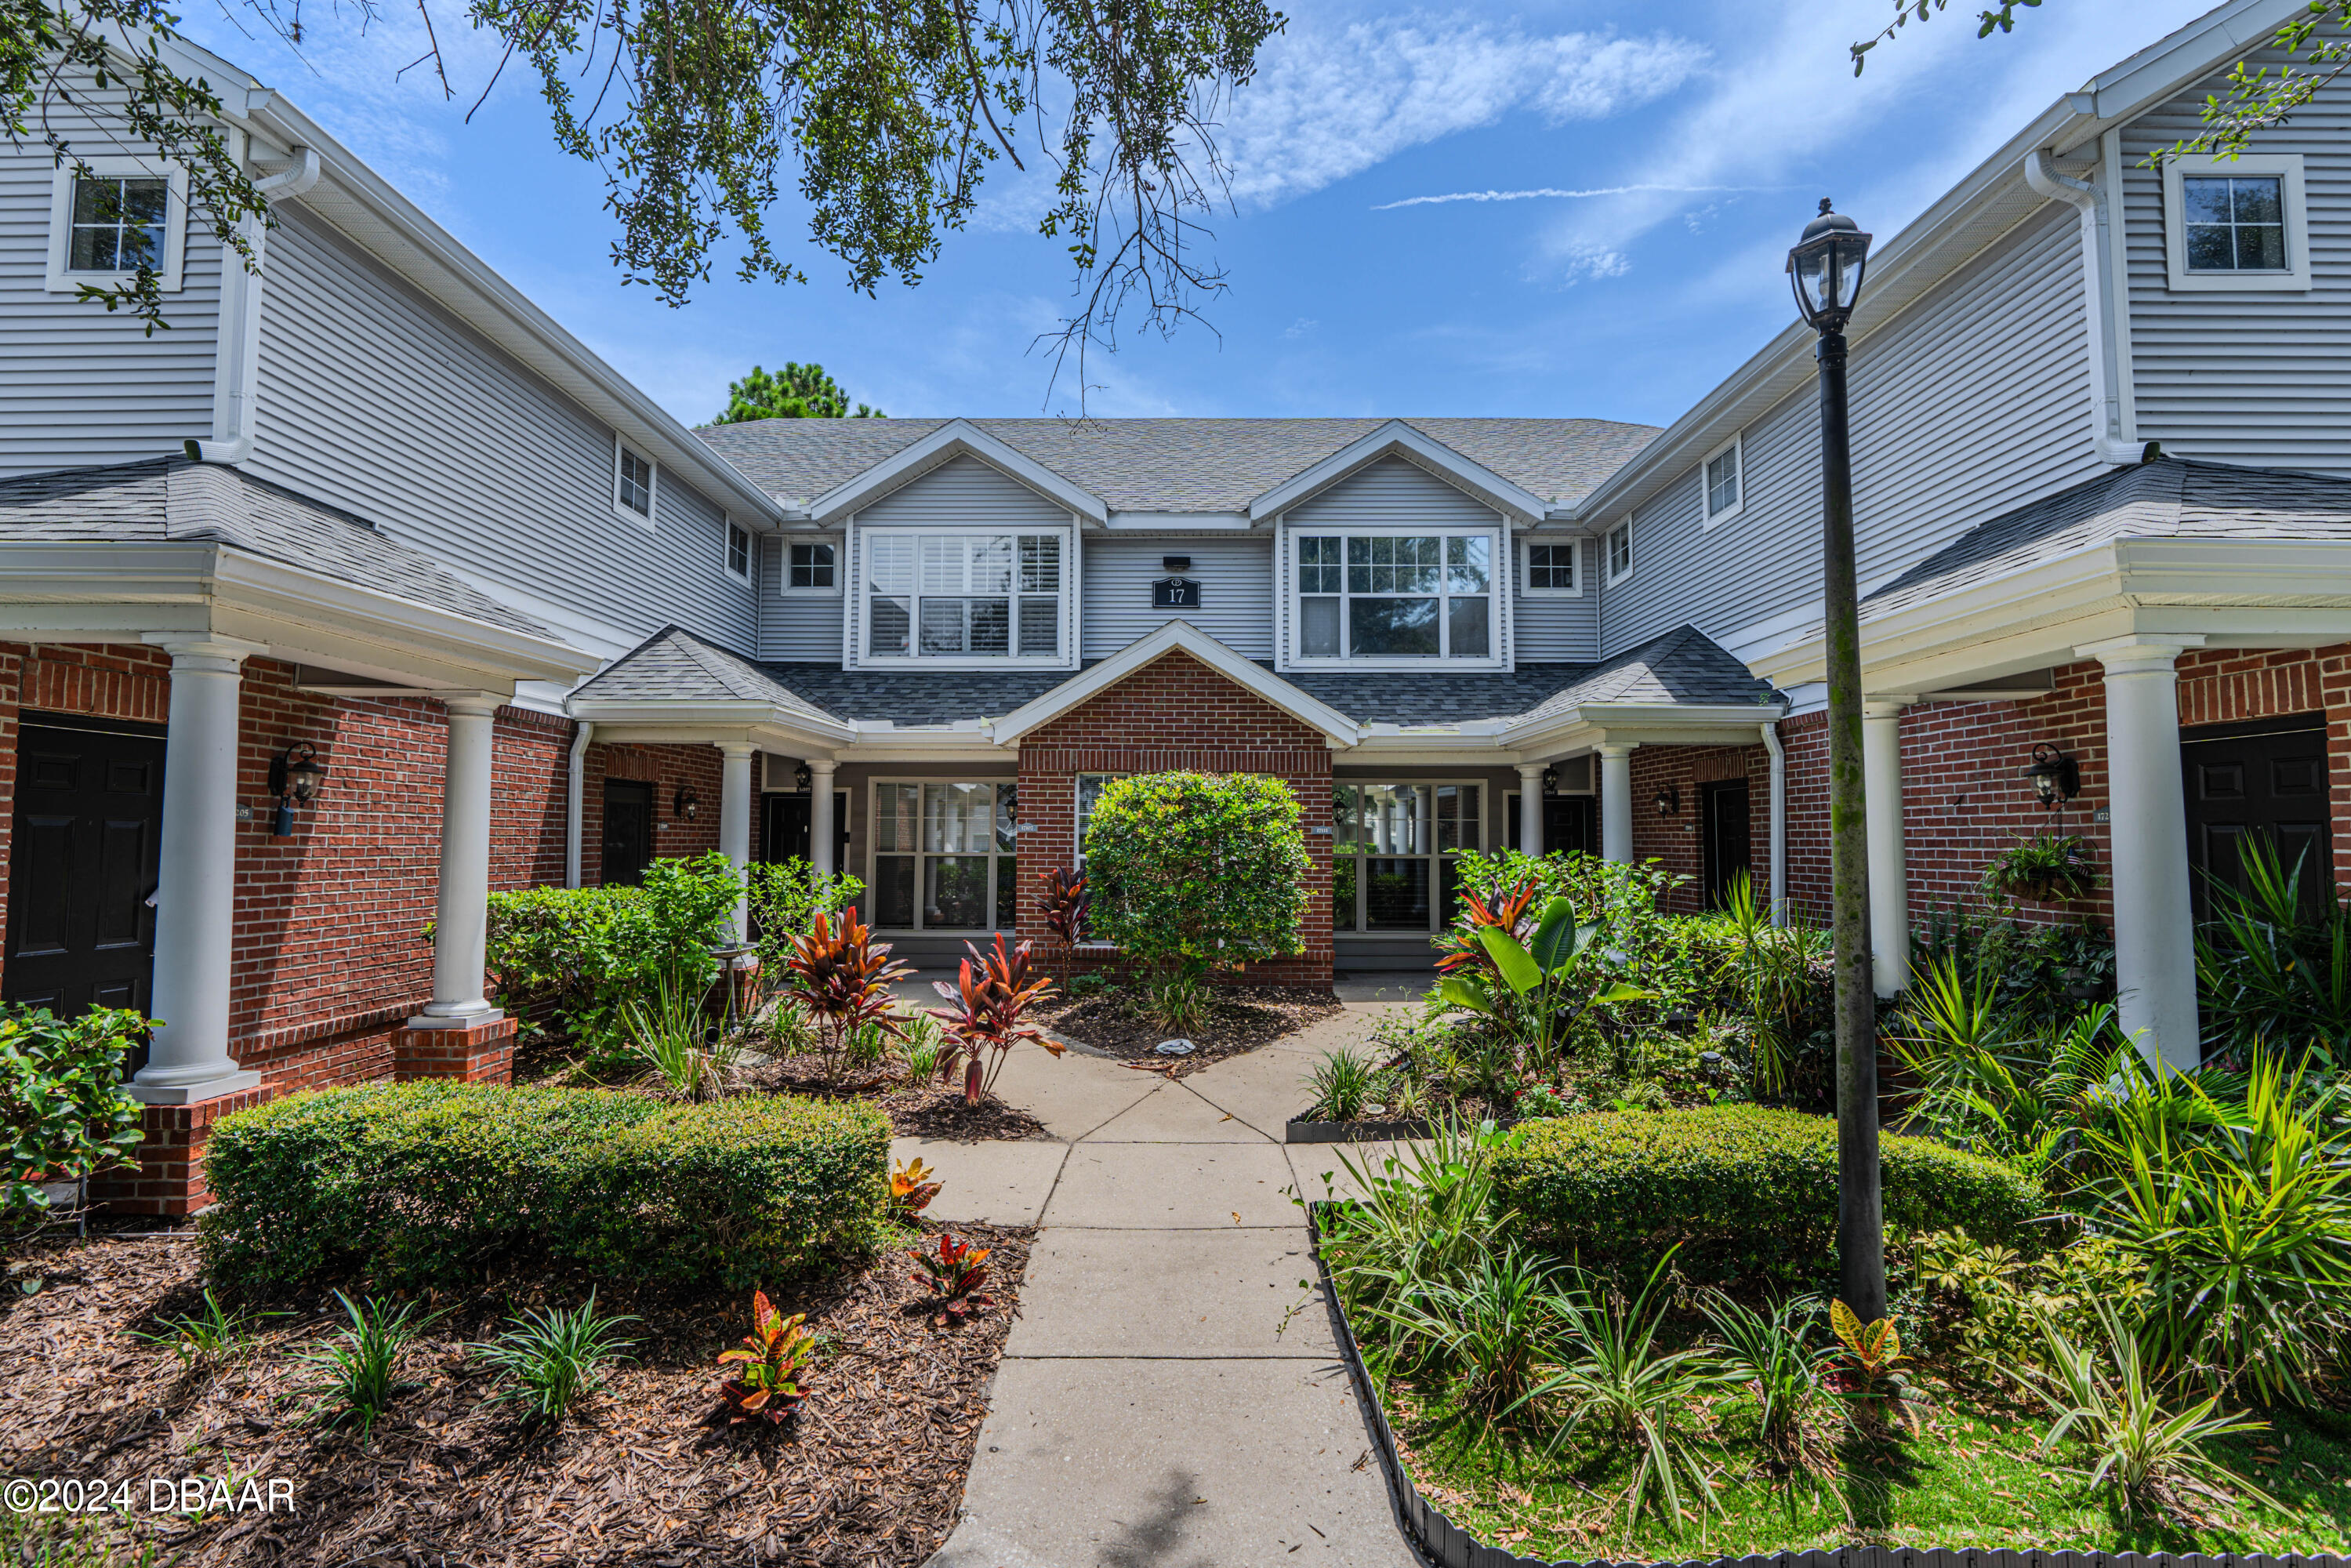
column 1233, row 1019
column 917, row 1109
column 870, row 1470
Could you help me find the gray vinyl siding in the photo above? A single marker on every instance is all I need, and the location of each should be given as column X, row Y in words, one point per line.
column 964, row 492
column 803, row 626
column 1550, row 629
column 2255, row 377
column 1975, row 400
column 375, row 400
column 1236, row 577
column 79, row 386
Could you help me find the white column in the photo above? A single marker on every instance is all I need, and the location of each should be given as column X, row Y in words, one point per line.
column 2154, row 932
column 1778, row 769
column 462, row 915
column 822, row 829
column 1889, row 878
column 1617, row 802
column 195, row 892
column 1530, row 833
column 734, row 820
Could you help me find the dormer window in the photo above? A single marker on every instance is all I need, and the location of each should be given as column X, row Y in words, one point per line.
column 950, row 595
column 1395, row 594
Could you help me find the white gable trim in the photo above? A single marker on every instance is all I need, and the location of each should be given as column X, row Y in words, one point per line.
column 1255, row 678
column 1395, row 438
column 955, row 438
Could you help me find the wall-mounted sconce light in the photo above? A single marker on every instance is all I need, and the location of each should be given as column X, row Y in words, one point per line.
column 685, row 805
column 294, row 780
column 1175, row 562
column 2056, row 778
column 802, row 778
column 1669, row 800
column 1550, row 781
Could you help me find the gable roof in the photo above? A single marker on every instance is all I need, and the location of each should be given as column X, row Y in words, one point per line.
column 168, row 500
column 1683, row 667
column 1178, row 636
column 673, row 665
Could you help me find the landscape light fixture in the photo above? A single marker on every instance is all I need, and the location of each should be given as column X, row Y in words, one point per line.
column 294, row 780
column 2056, row 777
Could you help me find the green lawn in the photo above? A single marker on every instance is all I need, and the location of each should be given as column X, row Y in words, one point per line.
column 1969, row 1477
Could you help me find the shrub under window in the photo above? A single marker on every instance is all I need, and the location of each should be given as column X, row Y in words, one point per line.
column 1195, row 869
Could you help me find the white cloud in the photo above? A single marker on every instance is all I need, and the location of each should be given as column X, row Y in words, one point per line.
column 1593, row 261
column 1299, row 327
column 1325, row 105
column 1554, row 193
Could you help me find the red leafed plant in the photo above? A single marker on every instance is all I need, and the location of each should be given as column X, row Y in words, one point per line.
column 911, row 1188
column 990, row 994
column 1510, row 910
column 768, row 1371
column 841, row 976
column 1063, row 904
column 954, row 1271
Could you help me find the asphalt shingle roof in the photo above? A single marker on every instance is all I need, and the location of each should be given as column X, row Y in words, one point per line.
column 171, row 500
column 1682, row 666
column 1177, row 465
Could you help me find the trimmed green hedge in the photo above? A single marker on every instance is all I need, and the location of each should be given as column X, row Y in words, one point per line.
column 419, row 1183
column 1747, row 1192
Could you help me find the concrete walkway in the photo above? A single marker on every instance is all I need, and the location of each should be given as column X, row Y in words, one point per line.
column 1146, row 1411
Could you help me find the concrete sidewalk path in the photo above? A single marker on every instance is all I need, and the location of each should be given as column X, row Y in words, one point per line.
column 1159, row 1401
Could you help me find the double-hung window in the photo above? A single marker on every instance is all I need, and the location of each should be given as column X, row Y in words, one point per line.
column 940, row 595
column 1725, row 484
column 1090, row 788
column 632, row 484
column 1396, row 595
column 1394, row 852
column 738, row 551
column 943, row 856
column 1619, row 546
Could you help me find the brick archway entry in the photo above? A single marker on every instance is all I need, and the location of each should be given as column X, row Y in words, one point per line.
column 1175, row 713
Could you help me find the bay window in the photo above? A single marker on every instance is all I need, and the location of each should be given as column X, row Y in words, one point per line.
column 943, row 856
column 1394, row 853
column 932, row 594
column 1396, row 595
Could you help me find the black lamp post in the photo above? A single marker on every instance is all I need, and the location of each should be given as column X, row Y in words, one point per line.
column 1825, row 267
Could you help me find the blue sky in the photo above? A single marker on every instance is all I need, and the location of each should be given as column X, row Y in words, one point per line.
column 1364, row 280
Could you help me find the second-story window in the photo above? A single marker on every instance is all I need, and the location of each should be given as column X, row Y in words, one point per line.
column 958, row 596
column 2235, row 223
column 738, row 551
column 1395, row 596
column 1620, row 549
column 2232, row 224
column 634, row 484
column 1551, row 568
column 117, row 223
column 811, row 567
column 1724, row 484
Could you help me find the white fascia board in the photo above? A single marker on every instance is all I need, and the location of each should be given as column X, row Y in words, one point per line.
column 1180, row 522
column 2176, row 62
column 716, row 719
column 1398, row 438
column 1177, row 636
column 957, row 437
column 1677, row 724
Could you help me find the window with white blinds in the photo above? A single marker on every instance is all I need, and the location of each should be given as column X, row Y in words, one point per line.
column 936, row 595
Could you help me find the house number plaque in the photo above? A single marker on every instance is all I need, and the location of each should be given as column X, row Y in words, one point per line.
column 1175, row 593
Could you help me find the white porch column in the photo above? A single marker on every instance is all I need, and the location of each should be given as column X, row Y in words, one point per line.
column 734, row 819
column 462, row 916
column 1889, row 878
column 822, row 829
column 1530, row 833
column 2155, row 930
column 1617, row 802
column 195, row 891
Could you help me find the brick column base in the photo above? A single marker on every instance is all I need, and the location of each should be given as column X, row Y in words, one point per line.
column 169, row 1181
column 481, row 1054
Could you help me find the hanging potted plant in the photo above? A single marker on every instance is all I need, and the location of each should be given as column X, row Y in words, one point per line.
column 2048, row 868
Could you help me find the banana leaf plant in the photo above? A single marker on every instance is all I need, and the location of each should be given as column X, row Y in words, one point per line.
column 1536, row 988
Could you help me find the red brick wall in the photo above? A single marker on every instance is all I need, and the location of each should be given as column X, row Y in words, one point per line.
column 1177, row 714
column 667, row 768
column 1677, row 841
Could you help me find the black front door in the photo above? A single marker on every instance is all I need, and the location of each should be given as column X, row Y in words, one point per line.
column 785, row 832
column 1569, row 824
column 81, row 865
column 2266, row 780
column 1722, row 832
column 628, row 830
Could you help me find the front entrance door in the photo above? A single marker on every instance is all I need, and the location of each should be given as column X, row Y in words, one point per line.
column 1723, row 834
column 785, row 832
column 82, row 863
column 2265, row 779
column 1569, row 825
column 628, row 830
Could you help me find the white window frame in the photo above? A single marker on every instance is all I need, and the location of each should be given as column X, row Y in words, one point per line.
column 862, row 541
column 840, row 566
column 1573, row 544
column 1497, row 554
column 60, row 280
column 1433, row 854
column 621, row 508
column 1735, row 446
column 997, row 857
column 2287, row 166
column 750, row 550
column 1608, row 547
column 1077, row 819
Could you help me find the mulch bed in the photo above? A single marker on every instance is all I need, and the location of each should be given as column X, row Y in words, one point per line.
column 871, row 1471
column 1239, row 1019
column 915, row 1110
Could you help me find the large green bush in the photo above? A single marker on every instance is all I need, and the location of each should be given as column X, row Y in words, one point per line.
column 417, row 1182
column 63, row 1114
column 1194, row 870
column 1746, row 1192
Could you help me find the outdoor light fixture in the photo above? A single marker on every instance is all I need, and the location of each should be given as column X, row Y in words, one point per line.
column 1550, row 781
column 685, row 805
column 1669, row 800
column 294, row 780
column 1825, row 268
column 802, row 777
column 2056, row 777
column 1175, row 562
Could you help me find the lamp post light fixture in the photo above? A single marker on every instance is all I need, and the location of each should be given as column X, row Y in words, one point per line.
column 1825, row 269
column 294, row 780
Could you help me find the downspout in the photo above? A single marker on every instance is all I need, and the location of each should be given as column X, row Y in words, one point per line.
column 575, row 785
column 1779, row 830
column 236, row 345
column 2113, row 441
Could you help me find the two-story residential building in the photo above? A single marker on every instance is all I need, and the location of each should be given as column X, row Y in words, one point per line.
column 369, row 509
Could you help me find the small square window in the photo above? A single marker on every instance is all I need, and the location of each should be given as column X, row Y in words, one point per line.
column 117, row 224
column 635, row 490
column 812, row 566
column 1551, row 568
column 2235, row 223
column 738, row 551
column 1620, row 549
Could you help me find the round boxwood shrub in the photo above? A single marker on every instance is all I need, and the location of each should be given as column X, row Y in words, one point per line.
column 417, row 1184
column 1748, row 1193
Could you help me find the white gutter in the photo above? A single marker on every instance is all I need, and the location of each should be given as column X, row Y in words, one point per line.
column 1779, row 830
column 237, row 341
column 2110, row 434
column 575, row 787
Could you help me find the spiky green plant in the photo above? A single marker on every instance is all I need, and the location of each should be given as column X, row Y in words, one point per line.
column 550, row 1359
